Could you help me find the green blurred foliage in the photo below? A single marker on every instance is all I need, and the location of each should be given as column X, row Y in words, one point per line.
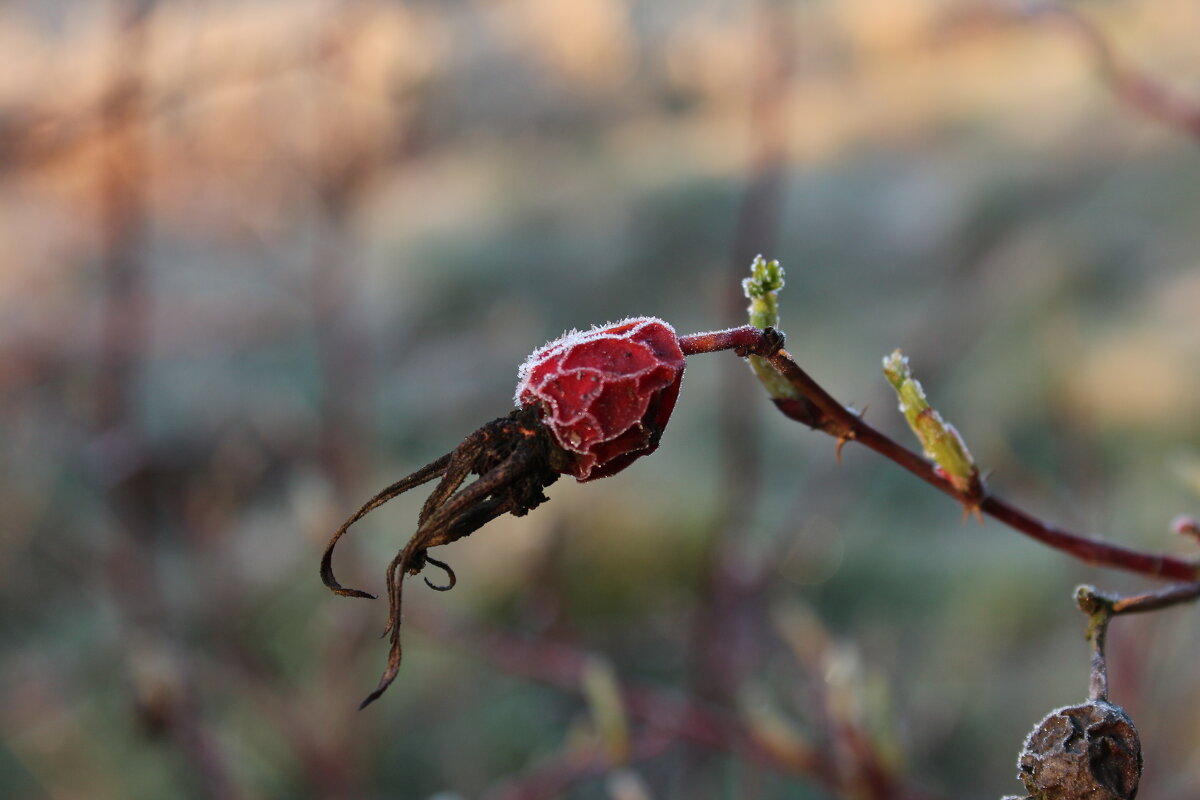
column 309, row 253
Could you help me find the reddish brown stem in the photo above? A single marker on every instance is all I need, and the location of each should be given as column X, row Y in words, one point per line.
column 561, row 666
column 1090, row 549
column 836, row 417
column 1154, row 601
column 661, row 712
column 746, row 337
column 837, row 420
column 1128, row 84
column 556, row 776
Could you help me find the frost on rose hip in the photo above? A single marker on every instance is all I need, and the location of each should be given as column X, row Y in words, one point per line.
column 606, row 394
column 588, row 405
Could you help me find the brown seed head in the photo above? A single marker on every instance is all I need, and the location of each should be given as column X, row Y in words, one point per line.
column 1087, row 751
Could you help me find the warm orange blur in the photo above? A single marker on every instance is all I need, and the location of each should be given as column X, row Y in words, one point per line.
column 260, row 259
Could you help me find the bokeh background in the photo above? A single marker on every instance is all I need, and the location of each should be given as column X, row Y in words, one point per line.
column 262, row 258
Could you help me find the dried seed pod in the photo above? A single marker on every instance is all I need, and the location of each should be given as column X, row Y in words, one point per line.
column 589, row 404
column 1087, row 751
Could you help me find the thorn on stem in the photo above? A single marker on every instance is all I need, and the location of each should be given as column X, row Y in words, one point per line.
column 971, row 509
column 1186, row 525
column 841, row 442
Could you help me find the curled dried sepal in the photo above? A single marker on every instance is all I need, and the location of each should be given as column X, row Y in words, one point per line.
column 1088, row 751
column 941, row 442
column 515, row 458
column 434, row 469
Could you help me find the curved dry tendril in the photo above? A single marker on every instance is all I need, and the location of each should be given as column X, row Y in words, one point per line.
column 421, row 476
column 450, row 576
column 510, row 456
column 460, row 515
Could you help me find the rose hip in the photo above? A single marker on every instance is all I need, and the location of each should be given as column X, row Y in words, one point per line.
column 606, row 394
column 589, row 404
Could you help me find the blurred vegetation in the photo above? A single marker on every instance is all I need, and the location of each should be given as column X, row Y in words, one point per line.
column 263, row 258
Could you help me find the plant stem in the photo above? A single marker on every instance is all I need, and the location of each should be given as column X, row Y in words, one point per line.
column 1154, row 601
column 746, row 338
column 835, row 419
column 846, row 425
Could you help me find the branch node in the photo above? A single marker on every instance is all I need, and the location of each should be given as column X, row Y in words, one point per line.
column 1099, row 608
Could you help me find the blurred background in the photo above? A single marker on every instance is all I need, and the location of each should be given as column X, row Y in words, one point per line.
column 262, row 258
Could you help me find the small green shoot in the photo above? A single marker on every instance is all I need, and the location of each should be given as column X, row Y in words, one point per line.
column 940, row 441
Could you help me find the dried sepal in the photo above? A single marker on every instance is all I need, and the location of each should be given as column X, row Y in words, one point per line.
column 515, row 458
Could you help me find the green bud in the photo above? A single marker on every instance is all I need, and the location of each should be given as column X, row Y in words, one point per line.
column 762, row 289
column 771, row 725
column 940, row 441
column 603, row 695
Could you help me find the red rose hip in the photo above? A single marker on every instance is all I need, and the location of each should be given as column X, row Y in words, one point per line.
column 589, row 404
column 605, row 394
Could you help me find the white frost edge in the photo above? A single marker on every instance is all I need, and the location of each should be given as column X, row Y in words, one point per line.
column 575, row 337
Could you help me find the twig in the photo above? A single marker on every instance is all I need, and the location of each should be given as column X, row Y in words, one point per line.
column 126, row 299
column 1102, row 607
column 1099, row 608
column 1129, row 85
column 848, row 426
column 726, row 637
column 1166, row 597
column 561, row 666
column 684, row 718
column 552, row 778
column 39, row 133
